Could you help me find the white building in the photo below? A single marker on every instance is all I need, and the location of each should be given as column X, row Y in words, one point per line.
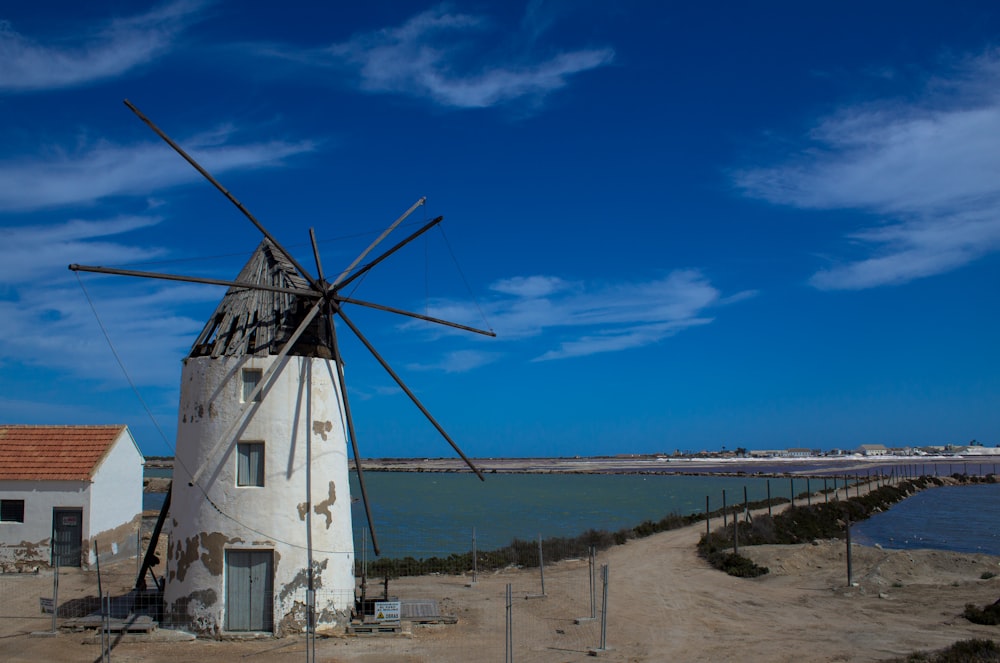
column 63, row 488
column 800, row 452
column 260, row 510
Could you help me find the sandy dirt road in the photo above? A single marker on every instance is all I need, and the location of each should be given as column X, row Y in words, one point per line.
column 664, row 604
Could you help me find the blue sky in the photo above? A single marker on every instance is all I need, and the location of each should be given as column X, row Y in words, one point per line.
column 691, row 225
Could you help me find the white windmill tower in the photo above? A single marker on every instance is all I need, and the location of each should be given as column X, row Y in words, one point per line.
column 260, row 520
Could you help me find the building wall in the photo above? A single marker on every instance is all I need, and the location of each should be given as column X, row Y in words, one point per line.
column 304, row 504
column 116, row 502
column 29, row 543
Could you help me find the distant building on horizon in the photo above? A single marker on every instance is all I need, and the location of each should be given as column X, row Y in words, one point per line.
column 873, row 450
column 800, row 452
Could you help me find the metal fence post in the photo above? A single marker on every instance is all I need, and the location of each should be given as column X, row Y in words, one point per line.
column 604, row 608
column 475, row 564
column 106, row 627
column 850, row 570
column 593, row 582
column 541, row 563
column 736, row 535
column 55, row 592
column 508, row 642
column 311, row 623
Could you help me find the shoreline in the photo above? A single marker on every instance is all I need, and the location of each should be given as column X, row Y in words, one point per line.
column 830, row 465
column 826, row 466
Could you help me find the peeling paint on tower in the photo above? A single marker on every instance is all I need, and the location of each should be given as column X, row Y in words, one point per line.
column 249, row 473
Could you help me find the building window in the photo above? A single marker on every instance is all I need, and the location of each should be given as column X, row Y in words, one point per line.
column 250, row 464
column 12, row 511
column 251, row 378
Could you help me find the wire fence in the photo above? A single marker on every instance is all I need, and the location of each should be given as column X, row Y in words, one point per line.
column 528, row 601
column 511, row 614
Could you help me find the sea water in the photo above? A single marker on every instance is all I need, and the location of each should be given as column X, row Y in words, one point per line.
column 959, row 518
column 434, row 514
column 424, row 514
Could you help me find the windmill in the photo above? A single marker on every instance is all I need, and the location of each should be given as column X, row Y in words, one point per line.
column 261, row 533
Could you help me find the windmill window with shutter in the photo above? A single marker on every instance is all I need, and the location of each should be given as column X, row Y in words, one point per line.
column 250, row 464
column 251, row 378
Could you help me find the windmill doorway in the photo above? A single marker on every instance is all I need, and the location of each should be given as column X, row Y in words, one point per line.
column 67, row 536
column 250, row 590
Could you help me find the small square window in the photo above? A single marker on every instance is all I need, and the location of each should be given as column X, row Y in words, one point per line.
column 251, row 378
column 12, row 511
column 250, row 464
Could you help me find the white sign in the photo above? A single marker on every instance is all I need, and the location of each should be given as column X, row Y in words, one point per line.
column 386, row 611
column 48, row 605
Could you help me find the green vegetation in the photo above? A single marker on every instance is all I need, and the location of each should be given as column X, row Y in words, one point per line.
column 964, row 651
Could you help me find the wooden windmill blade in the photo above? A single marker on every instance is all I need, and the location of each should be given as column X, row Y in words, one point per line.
column 208, row 176
column 340, row 285
column 378, row 240
column 342, row 383
column 413, row 397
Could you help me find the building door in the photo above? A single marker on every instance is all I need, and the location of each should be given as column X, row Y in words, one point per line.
column 249, row 590
column 67, row 536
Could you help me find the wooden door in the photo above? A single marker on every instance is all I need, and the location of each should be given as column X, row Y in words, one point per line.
column 249, row 590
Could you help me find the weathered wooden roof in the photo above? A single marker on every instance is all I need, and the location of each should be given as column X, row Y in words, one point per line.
column 259, row 322
column 54, row 453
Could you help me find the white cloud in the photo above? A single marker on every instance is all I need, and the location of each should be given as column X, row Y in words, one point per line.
column 104, row 169
column 460, row 361
column 578, row 318
column 55, row 328
column 47, row 320
column 616, row 340
column 530, row 286
column 102, row 52
column 929, row 169
column 35, row 252
column 914, row 249
column 432, row 56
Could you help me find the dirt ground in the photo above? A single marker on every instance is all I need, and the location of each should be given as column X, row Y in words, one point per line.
column 664, row 603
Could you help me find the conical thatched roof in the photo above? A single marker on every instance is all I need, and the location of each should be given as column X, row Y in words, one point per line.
column 259, row 322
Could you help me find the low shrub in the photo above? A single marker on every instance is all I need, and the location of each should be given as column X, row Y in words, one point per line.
column 978, row 650
column 802, row 523
column 736, row 565
column 987, row 615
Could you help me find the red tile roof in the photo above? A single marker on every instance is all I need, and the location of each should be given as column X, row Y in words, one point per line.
column 60, row 453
